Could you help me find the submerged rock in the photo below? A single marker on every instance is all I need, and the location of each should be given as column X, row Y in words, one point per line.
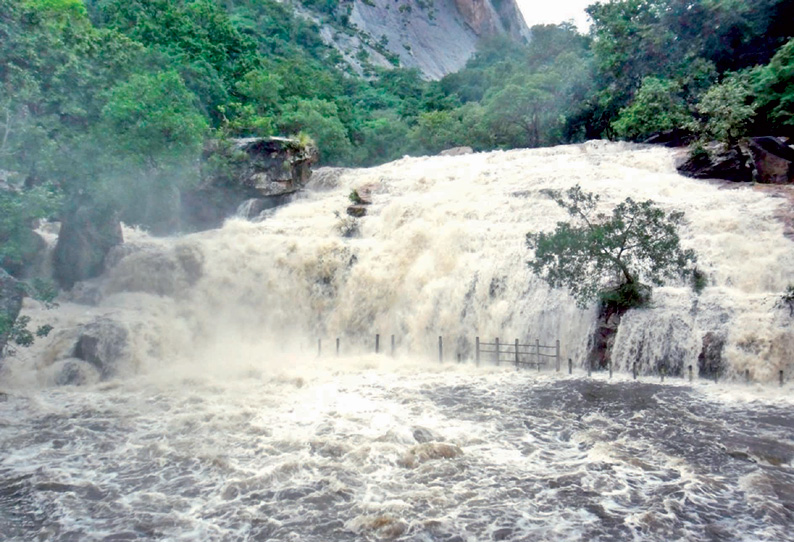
column 105, row 344
column 710, row 362
column 75, row 372
column 731, row 164
column 429, row 451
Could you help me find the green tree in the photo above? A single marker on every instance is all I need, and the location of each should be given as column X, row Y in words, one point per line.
column 157, row 138
column 726, row 109
column 320, row 120
column 774, row 86
column 595, row 254
column 657, row 107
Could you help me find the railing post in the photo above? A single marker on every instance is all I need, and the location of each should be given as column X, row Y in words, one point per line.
column 392, row 346
column 610, row 367
column 516, row 354
column 319, row 347
column 440, row 350
column 497, row 350
column 634, row 370
column 663, row 371
column 537, row 352
column 570, row 366
column 781, row 378
column 589, row 368
column 690, row 374
column 377, row 343
column 557, row 355
column 337, row 347
column 477, row 351
column 747, row 375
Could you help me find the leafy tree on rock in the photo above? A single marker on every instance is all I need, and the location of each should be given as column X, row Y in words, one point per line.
column 657, row 107
column 596, row 255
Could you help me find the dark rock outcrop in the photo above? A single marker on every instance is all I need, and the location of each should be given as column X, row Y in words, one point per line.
column 710, row 363
column 670, row 138
column 603, row 339
column 104, row 343
column 731, row 164
column 87, row 235
column 773, row 160
column 266, row 169
column 11, row 294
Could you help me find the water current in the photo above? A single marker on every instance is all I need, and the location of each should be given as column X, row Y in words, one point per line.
column 216, row 419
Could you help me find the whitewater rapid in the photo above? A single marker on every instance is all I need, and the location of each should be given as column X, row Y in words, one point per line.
column 217, row 420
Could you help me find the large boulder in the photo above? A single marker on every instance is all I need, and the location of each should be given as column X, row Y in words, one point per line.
column 87, row 235
column 773, row 160
column 11, row 294
column 105, row 344
column 268, row 169
column 731, row 164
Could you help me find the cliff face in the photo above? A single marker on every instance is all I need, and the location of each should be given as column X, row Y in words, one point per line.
column 435, row 36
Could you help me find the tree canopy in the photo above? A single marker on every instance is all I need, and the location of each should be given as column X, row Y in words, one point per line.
column 596, row 252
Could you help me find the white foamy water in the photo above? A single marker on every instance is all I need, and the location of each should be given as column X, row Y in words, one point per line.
column 218, row 422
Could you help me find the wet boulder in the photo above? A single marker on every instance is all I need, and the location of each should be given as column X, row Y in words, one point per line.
column 710, row 362
column 87, row 235
column 105, row 344
column 74, row 372
column 731, row 164
column 773, row 160
column 237, row 170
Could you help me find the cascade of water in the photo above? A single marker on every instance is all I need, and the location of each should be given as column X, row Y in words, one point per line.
column 442, row 252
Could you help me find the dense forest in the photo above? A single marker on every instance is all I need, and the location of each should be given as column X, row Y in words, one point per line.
column 113, row 100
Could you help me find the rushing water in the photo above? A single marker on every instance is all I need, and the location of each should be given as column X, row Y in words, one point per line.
column 214, row 420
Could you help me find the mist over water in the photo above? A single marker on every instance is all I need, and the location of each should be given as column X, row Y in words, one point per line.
column 220, row 422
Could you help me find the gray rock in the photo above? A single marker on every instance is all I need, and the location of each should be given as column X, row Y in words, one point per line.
column 773, row 160
column 104, row 343
column 731, row 164
column 87, row 235
column 155, row 270
column 74, row 372
column 422, row 435
column 269, row 169
column 357, row 210
column 456, row 151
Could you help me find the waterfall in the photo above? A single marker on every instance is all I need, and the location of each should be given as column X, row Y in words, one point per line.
column 441, row 252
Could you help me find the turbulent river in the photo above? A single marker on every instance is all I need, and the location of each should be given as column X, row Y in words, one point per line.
column 204, row 412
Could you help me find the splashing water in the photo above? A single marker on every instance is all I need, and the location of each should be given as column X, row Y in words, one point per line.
column 215, row 426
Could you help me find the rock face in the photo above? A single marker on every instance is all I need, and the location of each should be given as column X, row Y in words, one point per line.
column 268, row 170
column 603, row 339
column 774, row 161
column 437, row 37
column 87, row 235
column 710, row 363
column 11, row 295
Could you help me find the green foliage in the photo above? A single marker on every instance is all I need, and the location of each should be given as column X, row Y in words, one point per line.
column 319, row 119
column 354, row 197
column 19, row 209
column 595, row 252
column 727, row 109
column 774, row 86
column 657, row 107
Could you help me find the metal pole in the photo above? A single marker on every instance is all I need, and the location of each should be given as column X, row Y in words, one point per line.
column 440, row 350
column 516, row 354
column 663, row 371
column 537, row 352
column 634, row 370
column 747, row 375
column 497, row 350
column 377, row 343
column 477, row 351
column 319, row 347
column 589, row 369
column 557, row 355
column 337, row 347
column 781, row 378
column 570, row 366
column 392, row 346
column 610, row 368
column 690, row 374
